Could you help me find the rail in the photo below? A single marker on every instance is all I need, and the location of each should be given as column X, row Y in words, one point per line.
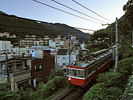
column 73, row 94
column 65, row 94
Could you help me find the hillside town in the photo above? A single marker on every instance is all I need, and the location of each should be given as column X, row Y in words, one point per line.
column 30, row 61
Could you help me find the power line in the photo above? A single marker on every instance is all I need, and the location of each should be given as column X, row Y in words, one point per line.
column 67, row 12
column 77, row 11
column 124, row 39
column 91, row 10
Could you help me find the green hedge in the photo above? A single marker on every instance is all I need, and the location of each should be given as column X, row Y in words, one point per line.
column 52, row 86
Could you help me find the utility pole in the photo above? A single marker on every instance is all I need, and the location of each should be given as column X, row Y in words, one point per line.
column 116, row 55
column 132, row 38
column 111, row 37
column 69, row 47
column 8, row 76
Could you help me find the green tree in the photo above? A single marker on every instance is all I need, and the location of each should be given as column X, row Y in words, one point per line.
column 96, row 92
column 55, row 72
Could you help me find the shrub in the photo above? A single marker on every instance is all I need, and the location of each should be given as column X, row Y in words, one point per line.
column 113, row 93
column 96, row 92
column 125, row 66
column 110, row 78
column 7, row 94
column 127, row 53
column 55, row 72
column 53, row 85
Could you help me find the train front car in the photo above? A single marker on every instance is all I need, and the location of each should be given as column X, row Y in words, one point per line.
column 76, row 73
column 82, row 72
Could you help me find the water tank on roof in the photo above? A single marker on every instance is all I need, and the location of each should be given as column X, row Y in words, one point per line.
column 4, row 68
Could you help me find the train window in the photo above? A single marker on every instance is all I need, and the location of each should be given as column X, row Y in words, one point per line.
column 80, row 73
column 67, row 71
column 87, row 72
column 90, row 70
column 70, row 72
column 74, row 72
column 84, row 74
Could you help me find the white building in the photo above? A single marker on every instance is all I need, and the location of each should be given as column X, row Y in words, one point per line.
column 5, row 45
column 83, row 46
column 63, row 57
column 52, row 43
column 18, row 51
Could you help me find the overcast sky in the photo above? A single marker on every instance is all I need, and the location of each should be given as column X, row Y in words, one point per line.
column 109, row 9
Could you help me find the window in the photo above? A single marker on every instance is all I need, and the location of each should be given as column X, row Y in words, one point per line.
column 74, row 72
column 64, row 58
column 70, row 72
column 38, row 67
column 90, row 70
column 35, row 67
column 67, row 71
column 86, row 72
column 80, row 73
column 64, row 64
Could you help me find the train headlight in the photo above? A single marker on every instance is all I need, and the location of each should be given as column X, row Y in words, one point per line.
column 69, row 78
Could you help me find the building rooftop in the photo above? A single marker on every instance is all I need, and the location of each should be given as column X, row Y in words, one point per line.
column 62, row 52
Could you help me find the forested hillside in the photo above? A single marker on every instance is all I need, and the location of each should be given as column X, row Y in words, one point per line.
column 105, row 37
column 21, row 27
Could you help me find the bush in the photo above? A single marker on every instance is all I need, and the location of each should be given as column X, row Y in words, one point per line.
column 96, row 92
column 53, row 85
column 7, row 94
column 55, row 72
column 113, row 93
column 127, row 53
column 110, row 78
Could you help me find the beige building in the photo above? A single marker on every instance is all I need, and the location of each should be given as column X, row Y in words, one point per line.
column 4, row 34
column 29, row 41
column 7, row 35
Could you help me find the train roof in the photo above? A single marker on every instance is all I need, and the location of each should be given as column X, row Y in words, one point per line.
column 82, row 64
column 99, row 52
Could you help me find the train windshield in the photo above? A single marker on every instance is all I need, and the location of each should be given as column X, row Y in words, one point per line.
column 75, row 73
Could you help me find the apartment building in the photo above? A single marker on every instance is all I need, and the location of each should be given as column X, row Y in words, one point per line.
column 29, row 41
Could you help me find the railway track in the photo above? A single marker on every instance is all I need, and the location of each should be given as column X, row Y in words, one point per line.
column 75, row 93
column 72, row 94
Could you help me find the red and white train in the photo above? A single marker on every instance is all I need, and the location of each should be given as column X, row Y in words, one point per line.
column 82, row 72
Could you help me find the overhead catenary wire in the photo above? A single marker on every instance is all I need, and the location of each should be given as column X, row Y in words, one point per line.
column 67, row 12
column 124, row 39
column 78, row 11
column 91, row 10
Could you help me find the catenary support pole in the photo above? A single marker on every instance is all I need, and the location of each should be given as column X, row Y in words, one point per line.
column 69, row 47
column 116, row 54
column 8, row 75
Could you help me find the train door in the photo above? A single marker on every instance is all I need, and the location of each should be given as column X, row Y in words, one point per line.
column 96, row 69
